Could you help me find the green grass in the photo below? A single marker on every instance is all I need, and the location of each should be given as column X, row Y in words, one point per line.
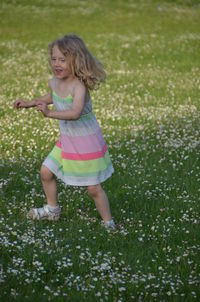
column 149, row 113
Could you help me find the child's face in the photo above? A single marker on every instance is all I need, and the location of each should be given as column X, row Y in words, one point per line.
column 59, row 64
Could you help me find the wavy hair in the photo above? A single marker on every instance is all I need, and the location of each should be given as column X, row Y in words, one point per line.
column 83, row 64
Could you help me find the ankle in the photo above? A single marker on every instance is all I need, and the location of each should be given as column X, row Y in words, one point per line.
column 53, row 207
column 109, row 222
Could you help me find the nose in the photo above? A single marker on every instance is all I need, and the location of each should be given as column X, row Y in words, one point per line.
column 57, row 63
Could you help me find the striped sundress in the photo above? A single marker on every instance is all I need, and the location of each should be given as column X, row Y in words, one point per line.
column 80, row 157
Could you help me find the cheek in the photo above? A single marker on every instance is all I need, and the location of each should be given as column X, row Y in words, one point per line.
column 67, row 68
column 52, row 64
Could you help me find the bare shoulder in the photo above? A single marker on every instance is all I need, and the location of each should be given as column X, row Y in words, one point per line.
column 52, row 83
column 79, row 88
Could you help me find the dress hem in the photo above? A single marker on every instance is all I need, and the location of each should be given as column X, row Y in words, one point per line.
column 83, row 184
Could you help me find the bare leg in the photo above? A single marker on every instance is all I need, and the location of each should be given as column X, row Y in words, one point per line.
column 49, row 185
column 101, row 201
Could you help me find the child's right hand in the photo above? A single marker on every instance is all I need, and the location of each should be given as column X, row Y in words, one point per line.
column 20, row 104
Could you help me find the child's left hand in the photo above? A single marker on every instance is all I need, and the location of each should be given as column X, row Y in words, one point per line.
column 43, row 108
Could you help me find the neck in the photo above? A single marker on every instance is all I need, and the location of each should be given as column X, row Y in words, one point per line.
column 67, row 79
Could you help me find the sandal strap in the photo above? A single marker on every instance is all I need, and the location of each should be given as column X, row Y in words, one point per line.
column 41, row 212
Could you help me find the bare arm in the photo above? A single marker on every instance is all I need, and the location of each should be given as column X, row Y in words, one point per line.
column 70, row 114
column 46, row 99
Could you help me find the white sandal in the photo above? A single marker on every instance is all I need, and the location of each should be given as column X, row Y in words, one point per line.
column 44, row 213
column 109, row 225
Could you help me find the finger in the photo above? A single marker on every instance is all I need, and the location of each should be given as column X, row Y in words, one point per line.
column 40, row 104
column 17, row 105
column 40, row 109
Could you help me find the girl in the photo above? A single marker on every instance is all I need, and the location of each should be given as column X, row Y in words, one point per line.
column 80, row 157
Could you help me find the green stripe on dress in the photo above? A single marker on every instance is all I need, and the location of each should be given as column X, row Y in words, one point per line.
column 69, row 100
column 58, row 99
column 86, row 116
column 87, row 166
column 56, row 153
column 84, row 175
column 76, row 167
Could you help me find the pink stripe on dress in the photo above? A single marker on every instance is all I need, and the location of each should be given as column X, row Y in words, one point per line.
column 85, row 156
column 58, row 144
column 82, row 144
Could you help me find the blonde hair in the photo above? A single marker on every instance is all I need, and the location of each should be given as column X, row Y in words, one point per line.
column 83, row 64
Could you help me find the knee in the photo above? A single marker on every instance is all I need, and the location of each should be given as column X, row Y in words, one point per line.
column 45, row 173
column 94, row 190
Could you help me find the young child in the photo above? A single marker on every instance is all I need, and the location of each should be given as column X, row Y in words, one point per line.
column 80, row 157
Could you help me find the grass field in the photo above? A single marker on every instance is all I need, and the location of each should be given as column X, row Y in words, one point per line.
column 149, row 113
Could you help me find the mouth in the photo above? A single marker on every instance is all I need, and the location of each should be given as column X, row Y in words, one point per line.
column 58, row 71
